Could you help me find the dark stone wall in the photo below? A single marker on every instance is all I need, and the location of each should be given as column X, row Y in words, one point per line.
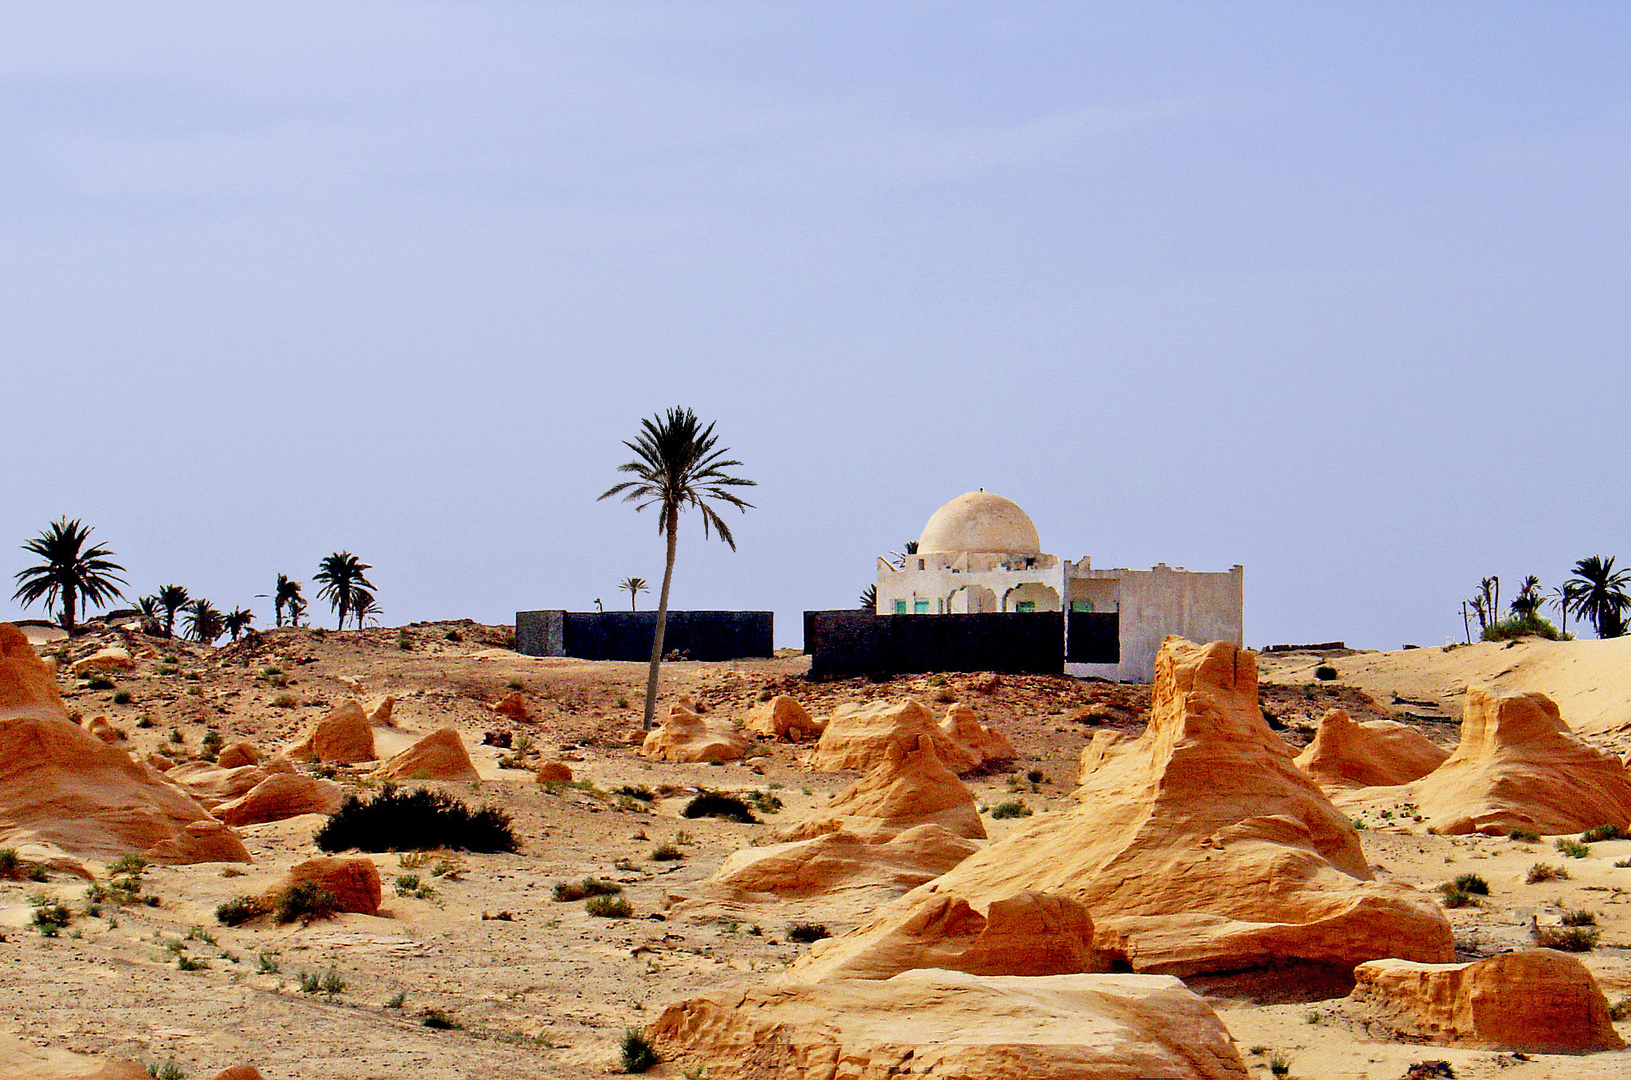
column 853, row 642
column 626, row 635
column 1095, row 637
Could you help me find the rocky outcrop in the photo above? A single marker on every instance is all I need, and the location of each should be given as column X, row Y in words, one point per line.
column 514, row 706
column 833, row 862
column 1200, row 850
column 1377, row 753
column 687, row 736
column 438, row 756
column 554, row 772
column 984, row 745
column 343, row 737
column 113, row 658
column 213, row 785
column 238, row 754
column 1517, row 766
column 785, row 720
column 383, row 712
column 352, row 879
column 1539, row 1001
column 103, row 729
column 954, row 1026
column 908, row 786
column 61, row 785
column 279, row 796
column 859, row 736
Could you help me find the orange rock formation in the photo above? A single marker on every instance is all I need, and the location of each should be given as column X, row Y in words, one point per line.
column 858, row 736
column 687, row 736
column 343, row 736
column 438, row 756
column 1345, row 754
column 785, row 719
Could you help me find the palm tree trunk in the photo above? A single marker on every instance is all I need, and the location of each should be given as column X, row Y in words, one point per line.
column 662, row 622
column 68, row 610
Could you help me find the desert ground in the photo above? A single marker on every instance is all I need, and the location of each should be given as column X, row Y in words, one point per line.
column 536, row 987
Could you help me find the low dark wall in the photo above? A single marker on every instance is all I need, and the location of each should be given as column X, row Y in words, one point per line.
column 1095, row 637
column 859, row 643
column 626, row 635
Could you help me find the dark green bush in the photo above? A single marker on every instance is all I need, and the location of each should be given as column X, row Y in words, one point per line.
column 1574, row 849
column 609, row 907
column 667, row 853
column 717, row 804
column 307, row 902
column 1471, row 883
column 1525, row 836
column 637, row 1052
column 1010, row 809
column 1325, row 673
column 1455, row 898
column 237, row 911
column 641, row 792
column 419, row 820
column 1603, row 832
column 436, row 1019
column 805, row 932
column 567, row 891
column 1518, row 626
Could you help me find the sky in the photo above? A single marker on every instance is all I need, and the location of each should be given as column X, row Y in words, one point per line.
column 1334, row 291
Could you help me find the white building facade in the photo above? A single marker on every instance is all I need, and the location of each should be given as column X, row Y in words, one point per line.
column 981, row 553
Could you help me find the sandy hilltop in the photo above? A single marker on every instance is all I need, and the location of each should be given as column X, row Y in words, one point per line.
column 1240, row 870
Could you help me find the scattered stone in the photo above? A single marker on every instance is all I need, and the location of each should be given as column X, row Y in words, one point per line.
column 687, row 736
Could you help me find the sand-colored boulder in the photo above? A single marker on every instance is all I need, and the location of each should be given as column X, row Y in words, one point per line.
column 383, row 712
column 353, row 879
column 858, row 737
column 832, row 862
column 1200, row 849
column 159, row 762
column 1537, row 1001
column 104, row 729
column 213, row 785
column 237, row 755
column 905, row 788
column 554, row 772
column 343, row 737
column 1377, row 753
column 981, row 742
column 438, row 756
column 279, row 796
column 102, row 661
column 514, row 706
column 61, row 785
column 688, row 736
column 785, row 720
column 1028, row 934
column 1518, row 766
column 954, row 1026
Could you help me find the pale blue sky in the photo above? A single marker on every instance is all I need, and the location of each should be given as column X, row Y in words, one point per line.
column 1337, row 291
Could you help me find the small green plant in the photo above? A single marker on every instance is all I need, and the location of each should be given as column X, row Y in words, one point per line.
column 122, row 697
column 1471, row 883
column 1620, row 1010
column 1525, row 836
column 306, row 901
column 396, row 820
column 190, row 963
column 436, row 1018
column 144, row 721
column 266, row 964
column 49, row 916
column 717, row 804
column 1579, row 918
column 1545, row 872
column 1622, row 864
column 1279, row 1066
column 198, row 933
column 1455, row 898
column 568, row 891
column 176, row 736
column 410, row 885
column 310, row 982
column 622, row 702
column 1574, row 849
column 100, row 683
column 284, row 701
column 516, row 684
column 168, row 1071
column 1567, row 938
column 1035, row 776
column 453, row 636
column 239, row 910
column 637, row 1052
column 331, row 983
column 396, row 1000
column 609, row 907
column 1603, row 832
column 639, row 792
column 1013, row 808
column 666, row 853
column 1325, row 673
column 766, row 802
column 806, row 932
column 1312, row 1017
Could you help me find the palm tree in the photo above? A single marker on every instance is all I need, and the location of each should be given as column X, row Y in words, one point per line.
column 1562, row 596
column 869, row 599
column 633, row 585
column 363, row 607
column 1599, row 594
column 204, row 623
column 342, row 576
column 676, row 465
column 172, row 598
column 71, row 570
column 297, row 608
column 237, row 621
column 281, row 596
column 900, row 556
column 148, row 607
column 1485, row 601
column 1527, row 603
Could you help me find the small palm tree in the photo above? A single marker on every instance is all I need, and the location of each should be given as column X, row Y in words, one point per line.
column 149, row 609
column 281, row 595
column 297, row 608
column 910, row 548
column 633, row 585
column 203, row 622
column 363, row 606
column 69, row 570
column 1527, row 603
column 172, row 598
column 676, row 465
column 1562, row 596
column 1599, row 594
column 342, row 575
column 237, row 621
column 869, row 599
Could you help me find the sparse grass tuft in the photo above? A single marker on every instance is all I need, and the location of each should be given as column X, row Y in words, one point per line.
column 1574, row 849
column 567, row 891
column 395, row 820
column 239, row 910
column 436, row 1019
column 1579, row 918
column 806, row 932
column 307, row 902
column 1014, row 808
column 1567, row 938
column 1603, row 832
column 609, row 907
column 1455, row 898
column 1471, row 883
column 49, row 915
column 168, row 1071
column 637, row 1052
column 1524, row 836
column 666, row 853
column 1545, row 872
column 1279, row 1066
column 396, row 1000
column 717, row 804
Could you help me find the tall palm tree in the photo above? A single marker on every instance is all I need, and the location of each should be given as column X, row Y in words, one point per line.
column 237, row 621
column 342, row 575
column 203, row 622
column 1599, row 594
column 297, row 608
column 281, row 595
column 676, row 465
column 172, row 598
column 1562, row 596
column 633, row 585
column 70, row 570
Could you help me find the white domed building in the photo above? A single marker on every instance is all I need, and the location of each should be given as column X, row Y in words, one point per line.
column 980, row 554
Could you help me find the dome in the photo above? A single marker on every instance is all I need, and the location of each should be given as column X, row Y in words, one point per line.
column 980, row 521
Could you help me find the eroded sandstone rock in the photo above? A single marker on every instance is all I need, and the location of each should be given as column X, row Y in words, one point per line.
column 981, row 742
column 907, row 786
column 688, row 736
column 279, row 796
column 343, row 737
column 352, row 879
column 784, row 719
column 438, row 756
column 1377, row 753
column 859, row 736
